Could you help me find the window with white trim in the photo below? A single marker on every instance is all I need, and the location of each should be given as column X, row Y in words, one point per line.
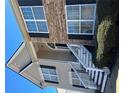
column 80, row 19
column 34, row 19
column 49, row 74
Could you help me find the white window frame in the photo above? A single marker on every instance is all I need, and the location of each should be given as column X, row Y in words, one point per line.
column 35, row 20
column 50, row 75
column 81, row 20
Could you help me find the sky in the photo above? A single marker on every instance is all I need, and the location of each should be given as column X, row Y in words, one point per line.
column 14, row 82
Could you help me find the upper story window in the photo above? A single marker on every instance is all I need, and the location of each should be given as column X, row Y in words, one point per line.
column 49, row 73
column 80, row 19
column 34, row 18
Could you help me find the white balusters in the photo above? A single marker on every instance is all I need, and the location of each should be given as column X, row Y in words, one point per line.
column 86, row 63
column 84, row 57
column 90, row 70
column 81, row 52
column 96, row 76
column 87, row 59
column 100, row 78
column 104, row 82
column 92, row 74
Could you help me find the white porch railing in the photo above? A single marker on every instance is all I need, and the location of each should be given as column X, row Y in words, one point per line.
column 83, row 77
column 98, row 76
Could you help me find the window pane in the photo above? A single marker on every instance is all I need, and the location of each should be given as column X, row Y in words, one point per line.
column 87, row 12
column 46, row 77
column 38, row 12
column 52, row 71
column 73, row 12
column 73, row 27
column 86, row 27
column 42, row 26
column 45, row 71
column 31, row 26
column 54, row 78
column 27, row 13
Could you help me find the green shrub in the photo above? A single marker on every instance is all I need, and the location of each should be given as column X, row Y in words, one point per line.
column 107, row 32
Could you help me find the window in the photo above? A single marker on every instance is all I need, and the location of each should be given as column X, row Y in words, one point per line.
column 73, row 13
column 31, row 26
column 87, row 12
column 86, row 27
column 73, row 27
column 27, row 13
column 80, row 19
column 61, row 46
column 57, row 46
column 42, row 26
column 38, row 13
column 76, row 81
column 49, row 73
column 34, row 18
